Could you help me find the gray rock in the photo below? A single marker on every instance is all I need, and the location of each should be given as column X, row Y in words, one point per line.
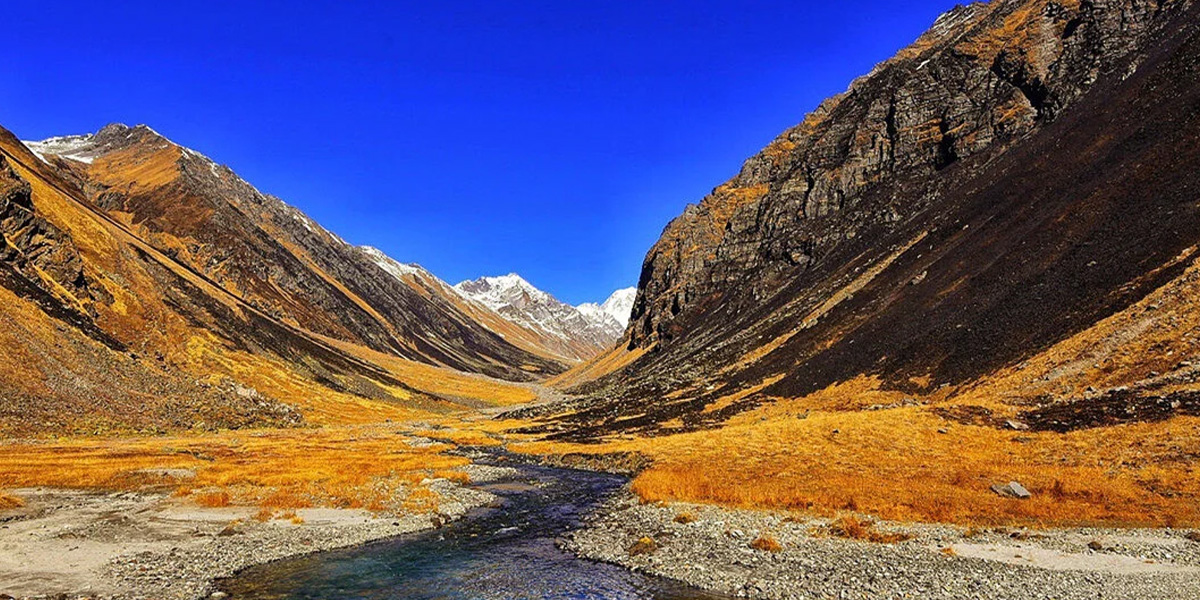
column 1012, row 489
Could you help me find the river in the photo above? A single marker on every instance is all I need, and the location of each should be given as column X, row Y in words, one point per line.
column 502, row 553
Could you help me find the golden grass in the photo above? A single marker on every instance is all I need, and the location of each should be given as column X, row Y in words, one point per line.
column 616, row 358
column 349, row 467
column 767, row 543
column 8, row 501
column 895, row 464
column 460, row 437
column 215, row 499
column 441, row 381
column 855, row 527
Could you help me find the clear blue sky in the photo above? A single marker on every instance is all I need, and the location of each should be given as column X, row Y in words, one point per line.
column 554, row 139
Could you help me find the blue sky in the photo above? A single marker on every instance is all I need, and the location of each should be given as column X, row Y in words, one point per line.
column 554, row 139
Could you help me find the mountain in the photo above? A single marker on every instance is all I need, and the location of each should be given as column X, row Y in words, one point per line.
column 147, row 287
column 618, row 306
column 269, row 253
column 1005, row 207
column 577, row 333
column 564, row 346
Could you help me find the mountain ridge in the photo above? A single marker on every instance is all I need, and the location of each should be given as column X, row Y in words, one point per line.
column 585, row 330
column 865, row 241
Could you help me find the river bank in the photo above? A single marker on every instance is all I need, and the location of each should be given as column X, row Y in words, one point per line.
column 77, row 544
column 711, row 548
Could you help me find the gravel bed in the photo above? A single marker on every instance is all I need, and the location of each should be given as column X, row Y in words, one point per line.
column 160, row 551
column 714, row 552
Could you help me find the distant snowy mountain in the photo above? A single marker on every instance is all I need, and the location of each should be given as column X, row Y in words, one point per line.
column 590, row 327
column 618, row 306
column 394, row 267
column 513, row 309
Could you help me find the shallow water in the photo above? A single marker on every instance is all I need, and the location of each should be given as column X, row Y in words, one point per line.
column 502, row 553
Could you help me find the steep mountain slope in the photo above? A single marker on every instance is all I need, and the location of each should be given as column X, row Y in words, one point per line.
column 577, row 333
column 1021, row 175
column 270, row 254
column 103, row 330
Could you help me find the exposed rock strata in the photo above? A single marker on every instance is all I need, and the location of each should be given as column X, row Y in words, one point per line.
column 1021, row 172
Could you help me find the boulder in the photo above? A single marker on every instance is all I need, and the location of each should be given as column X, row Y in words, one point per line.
column 1012, row 489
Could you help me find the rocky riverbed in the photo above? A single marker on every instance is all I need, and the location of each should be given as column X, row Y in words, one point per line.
column 712, row 548
column 75, row 544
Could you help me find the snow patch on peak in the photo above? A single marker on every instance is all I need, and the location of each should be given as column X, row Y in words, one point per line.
column 620, row 305
column 517, row 300
column 503, row 291
column 73, row 147
column 393, row 267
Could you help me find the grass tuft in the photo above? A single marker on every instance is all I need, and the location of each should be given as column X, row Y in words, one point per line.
column 853, row 527
column 646, row 545
column 212, row 499
column 685, row 518
column 8, row 501
column 766, row 543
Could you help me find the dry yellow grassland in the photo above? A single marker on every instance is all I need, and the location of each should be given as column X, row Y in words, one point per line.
column 896, row 464
column 370, row 467
column 8, row 501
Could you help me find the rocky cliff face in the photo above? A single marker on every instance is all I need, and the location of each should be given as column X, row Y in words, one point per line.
column 982, row 78
column 1012, row 178
column 34, row 247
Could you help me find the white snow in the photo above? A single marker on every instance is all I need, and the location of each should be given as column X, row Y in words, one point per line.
column 73, row 147
column 620, row 304
column 394, row 268
column 521, row 302
column 618, row 307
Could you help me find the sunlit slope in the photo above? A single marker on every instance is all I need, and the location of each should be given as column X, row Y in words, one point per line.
column 274, row 257
column 106, row 331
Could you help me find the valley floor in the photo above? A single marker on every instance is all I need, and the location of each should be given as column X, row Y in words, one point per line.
column 776, row 503
column 159, row 518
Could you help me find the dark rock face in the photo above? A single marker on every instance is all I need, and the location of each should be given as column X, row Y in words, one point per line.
column 31, row 244
column 1023, row 170
column 983, row 77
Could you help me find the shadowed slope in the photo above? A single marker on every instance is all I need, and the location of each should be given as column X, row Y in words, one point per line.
column 1024, row 171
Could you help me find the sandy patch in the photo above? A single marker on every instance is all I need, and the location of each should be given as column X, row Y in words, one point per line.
column 1056, row 560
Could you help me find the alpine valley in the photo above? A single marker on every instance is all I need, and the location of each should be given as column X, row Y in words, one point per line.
column 940, row 339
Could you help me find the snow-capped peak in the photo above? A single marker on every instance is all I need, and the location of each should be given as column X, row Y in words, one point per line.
column 517, row 300
column 504, row 290
column 620, row 304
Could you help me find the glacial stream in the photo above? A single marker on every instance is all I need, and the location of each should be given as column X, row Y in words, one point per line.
column 501, row 553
